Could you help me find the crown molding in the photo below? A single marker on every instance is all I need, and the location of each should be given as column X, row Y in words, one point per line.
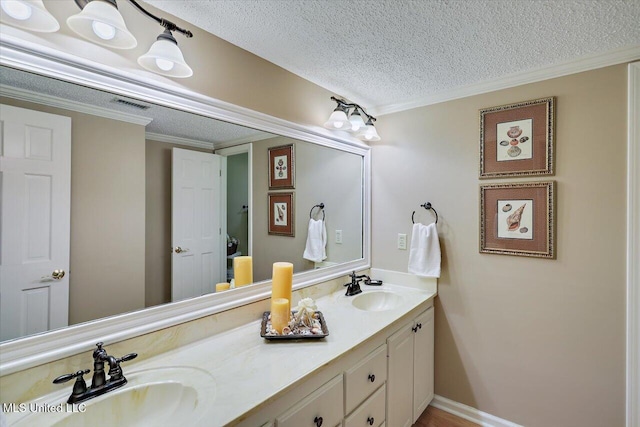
column 178, row 140
column 578, row 65
column 54, row 101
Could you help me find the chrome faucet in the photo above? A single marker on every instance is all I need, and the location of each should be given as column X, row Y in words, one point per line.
column 353, row 288
column 99, row 384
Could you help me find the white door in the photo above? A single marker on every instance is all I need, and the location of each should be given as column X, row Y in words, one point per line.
column 35, row 172
column 400, row 378
column 423, row 363
column 197, row 204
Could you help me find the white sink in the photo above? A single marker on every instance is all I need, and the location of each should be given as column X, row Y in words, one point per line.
column 377, row 301
column 160, row 396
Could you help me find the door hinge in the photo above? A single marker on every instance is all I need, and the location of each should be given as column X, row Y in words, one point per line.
column 220, row 231
column 220, row 172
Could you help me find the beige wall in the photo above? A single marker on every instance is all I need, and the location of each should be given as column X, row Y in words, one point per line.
column 324, row 175
column 106, row 272
column 537, row 342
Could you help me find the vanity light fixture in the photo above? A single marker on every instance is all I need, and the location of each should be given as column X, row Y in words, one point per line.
column 29, row 15
column 341, row 120
column 100, row 22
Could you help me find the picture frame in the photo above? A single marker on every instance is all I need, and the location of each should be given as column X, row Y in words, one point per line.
column 281, row 214
column 518, row 219
column 518, row 139
column 282, row 167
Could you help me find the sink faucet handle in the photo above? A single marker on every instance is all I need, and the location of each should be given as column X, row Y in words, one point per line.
column 80, row 386
column 66, row 377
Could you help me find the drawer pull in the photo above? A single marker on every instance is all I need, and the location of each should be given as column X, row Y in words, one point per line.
column 415, row 328
column 318, row 421
column 372, row 377
column 370, row 421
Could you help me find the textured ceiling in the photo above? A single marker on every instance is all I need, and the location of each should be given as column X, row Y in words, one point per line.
column 166, row 121
column 384, row 52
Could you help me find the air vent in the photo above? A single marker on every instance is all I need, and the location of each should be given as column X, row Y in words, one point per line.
column 131, row 104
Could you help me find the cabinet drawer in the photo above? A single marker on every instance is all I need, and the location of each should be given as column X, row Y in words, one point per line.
column 364, row 378
column 370, row 413
column 322, row 407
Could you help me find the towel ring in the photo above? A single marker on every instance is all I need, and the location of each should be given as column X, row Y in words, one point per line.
column 321, row 206
column 428, row 207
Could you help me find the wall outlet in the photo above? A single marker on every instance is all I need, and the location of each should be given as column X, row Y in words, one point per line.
column 402, row 241
column 339, row 236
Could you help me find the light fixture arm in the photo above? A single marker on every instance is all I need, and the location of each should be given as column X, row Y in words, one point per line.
column 346, row 105
column 165, row 23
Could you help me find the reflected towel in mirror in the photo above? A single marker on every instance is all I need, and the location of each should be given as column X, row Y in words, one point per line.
column 315, row 249
column 424, row 256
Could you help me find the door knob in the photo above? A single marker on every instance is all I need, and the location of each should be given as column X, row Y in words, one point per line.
column 180, row 250
column 56, row 275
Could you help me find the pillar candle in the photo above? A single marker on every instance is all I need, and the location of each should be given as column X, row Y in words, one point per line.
column 280, row 313
column 243, row 271
column 224, row 286
column 282, row 280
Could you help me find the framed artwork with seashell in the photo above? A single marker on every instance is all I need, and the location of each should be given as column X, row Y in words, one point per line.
column 281, row 215
column 518, row 219
column 517, row 139
column 282, row 167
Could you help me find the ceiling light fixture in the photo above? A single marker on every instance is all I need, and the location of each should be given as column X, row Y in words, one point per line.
column 100, row 22
column 341, row 120
column 29, row 15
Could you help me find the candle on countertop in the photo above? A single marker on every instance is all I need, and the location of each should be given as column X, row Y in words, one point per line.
column 224, row 286
column 282, row 279
column 243, row 271
column 280, row 313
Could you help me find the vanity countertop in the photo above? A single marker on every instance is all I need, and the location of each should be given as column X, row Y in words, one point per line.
column 250, row 371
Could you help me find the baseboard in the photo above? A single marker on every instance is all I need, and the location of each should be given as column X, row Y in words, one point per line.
column 469, row 413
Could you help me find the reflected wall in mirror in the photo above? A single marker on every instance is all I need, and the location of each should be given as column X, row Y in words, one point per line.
column 120, row 200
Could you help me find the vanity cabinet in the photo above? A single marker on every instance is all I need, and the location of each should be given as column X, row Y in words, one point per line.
column 322, row 408
column 410, row 370
column 365, row 377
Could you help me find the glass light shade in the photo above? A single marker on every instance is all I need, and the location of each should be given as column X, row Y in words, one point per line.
column 369, row 133
column 101, row 23
column 338, row 120
column 356, row 121
column 29, row 15
column 164, row 57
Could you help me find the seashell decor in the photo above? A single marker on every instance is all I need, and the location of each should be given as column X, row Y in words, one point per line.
column 304, row 320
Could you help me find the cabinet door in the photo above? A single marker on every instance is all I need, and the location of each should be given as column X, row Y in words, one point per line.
column 400, row 378
column 323, row 407
column 422, row 362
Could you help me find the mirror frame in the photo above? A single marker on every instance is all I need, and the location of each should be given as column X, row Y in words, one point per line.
column 33, row 350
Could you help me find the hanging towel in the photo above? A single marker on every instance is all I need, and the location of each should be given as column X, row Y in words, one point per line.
column 315, row 249
column 424, row 256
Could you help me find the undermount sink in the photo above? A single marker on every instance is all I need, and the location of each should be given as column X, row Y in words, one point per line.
column 377, row 301
column 160, row 396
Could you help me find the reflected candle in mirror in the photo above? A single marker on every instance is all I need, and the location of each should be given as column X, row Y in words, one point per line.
column 280, row 313
column 282, row 280
column 242, row 271
column 222, row 286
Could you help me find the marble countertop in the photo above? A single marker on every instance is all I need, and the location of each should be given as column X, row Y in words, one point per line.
column 250, row 371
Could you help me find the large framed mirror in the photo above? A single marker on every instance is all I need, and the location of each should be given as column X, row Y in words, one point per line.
column 120, row 280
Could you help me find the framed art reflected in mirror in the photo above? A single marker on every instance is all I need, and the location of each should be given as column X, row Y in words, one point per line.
column 282, row 167
column 518, row 219
column 517, row 139
column 281, row 215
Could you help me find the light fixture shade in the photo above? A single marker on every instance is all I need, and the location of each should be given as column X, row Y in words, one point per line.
column 356, row 121
column 338, row 120
column 29, row 15
column 369, row 133
column 165, row 57
column 101, row 23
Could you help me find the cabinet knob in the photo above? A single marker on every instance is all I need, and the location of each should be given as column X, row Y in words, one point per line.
column 370, row 421
column 419, row 325
column 372, row 377
column 318, row 421
column 414, row 329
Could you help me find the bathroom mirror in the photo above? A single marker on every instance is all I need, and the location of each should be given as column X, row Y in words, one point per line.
column 120, row 239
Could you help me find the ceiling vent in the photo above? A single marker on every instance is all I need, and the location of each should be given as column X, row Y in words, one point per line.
column 121, row 101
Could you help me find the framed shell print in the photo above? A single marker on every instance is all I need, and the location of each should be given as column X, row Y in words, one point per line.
column 517, row 139
column 281, row 215
column 282, row 167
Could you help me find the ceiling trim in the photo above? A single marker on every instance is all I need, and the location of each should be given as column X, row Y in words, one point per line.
column 178, row 140
column 54, row 101
column 244, row 140
column 585, row 63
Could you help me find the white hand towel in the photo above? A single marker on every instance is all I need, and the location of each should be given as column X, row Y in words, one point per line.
column 315, row 249
column 424, row 256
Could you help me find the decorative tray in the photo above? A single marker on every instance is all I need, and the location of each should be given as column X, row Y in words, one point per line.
column 305, row 334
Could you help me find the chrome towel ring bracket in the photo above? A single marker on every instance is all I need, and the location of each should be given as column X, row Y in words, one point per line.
column 428, row 207
column 321, row 206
